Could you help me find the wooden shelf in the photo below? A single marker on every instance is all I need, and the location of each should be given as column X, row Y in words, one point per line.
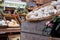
column 8, row 30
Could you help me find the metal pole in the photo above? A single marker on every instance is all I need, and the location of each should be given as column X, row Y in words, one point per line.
column 4, row 4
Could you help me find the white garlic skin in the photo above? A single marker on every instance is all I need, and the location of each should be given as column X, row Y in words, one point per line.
column 54, row 3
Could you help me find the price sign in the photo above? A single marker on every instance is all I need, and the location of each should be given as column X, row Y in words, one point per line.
column 15, row 4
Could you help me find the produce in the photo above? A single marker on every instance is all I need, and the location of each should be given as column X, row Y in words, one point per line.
column 12, row 23
column 46, row 11
column 58, row 8
column 14, row 15
column 54, row 3
column 58, row 2
column 3, row 23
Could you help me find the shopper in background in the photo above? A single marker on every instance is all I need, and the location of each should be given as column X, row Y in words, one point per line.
column 30, row 5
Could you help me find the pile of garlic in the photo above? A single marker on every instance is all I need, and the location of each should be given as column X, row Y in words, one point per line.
column 56, row 4
column 46, row 11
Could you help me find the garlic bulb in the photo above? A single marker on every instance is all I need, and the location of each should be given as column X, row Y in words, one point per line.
column 58, row 1
column 47, row 8
column 58, row 7
column 41, row 9
column 32, row 16
column 35, row 13
column 55, row 11
column 54, row 3
column 3, row 22
column 58, row 10
column 40, row 15
column 30, row 13
column 46, row 13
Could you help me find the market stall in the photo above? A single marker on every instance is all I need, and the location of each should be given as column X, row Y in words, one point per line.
column 42, row 23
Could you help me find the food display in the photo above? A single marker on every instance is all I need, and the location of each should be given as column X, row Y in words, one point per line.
column 8, row 23
column 2, row 23
column 54, row 3
column 12, row 23
column 44, row 12
column 14, row 15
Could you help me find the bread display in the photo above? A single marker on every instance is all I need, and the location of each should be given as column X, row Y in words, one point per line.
column 12, row 23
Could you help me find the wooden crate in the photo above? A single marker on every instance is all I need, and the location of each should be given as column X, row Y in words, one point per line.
column 33, row 27
column 27, row 36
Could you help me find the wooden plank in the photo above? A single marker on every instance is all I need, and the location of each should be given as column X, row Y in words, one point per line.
column 26, row 36
column 7, row 30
